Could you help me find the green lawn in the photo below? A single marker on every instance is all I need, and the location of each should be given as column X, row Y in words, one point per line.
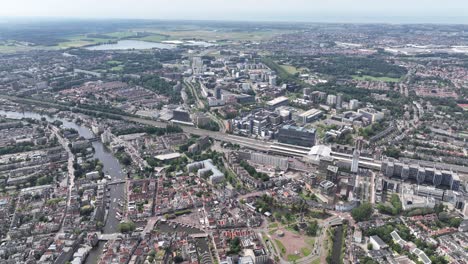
column 281, row 247
column 117, row 68
column 121, row 34
column 310, row 242
column 114, row 62
column 317, row 261
column 372, row 78
column 289, row 69
column 273, row 225
column 292, row 258
column 306, row 251
column 9, row 49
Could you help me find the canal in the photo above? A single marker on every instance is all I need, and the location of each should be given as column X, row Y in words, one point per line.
column 111, row 166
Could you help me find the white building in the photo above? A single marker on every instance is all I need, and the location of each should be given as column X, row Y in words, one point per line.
column 353, row 104
column 331, row 100
column 377, row 243
column 371, row 114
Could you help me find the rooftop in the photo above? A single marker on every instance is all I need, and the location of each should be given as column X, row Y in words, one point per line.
column 277, row 100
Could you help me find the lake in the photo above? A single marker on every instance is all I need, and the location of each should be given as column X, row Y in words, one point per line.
column 132, row 44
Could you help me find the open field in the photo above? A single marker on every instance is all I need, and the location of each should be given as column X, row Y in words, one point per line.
column 289, row 69
column 11, row 49
column 372, row 78
column 293, row 246
column 188, row 34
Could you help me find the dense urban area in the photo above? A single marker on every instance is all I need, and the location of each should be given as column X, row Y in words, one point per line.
column 250, row 143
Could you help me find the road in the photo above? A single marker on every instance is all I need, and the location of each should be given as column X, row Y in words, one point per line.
column 70, row 180
column 372, row 188
column 242, row 141
column 188, row 83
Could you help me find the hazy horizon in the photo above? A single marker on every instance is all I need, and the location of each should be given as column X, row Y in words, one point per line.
column 333, row 11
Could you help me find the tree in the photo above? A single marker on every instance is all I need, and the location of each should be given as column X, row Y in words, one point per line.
column 86, row 210
column 126, row 227
column 234, row 246
column 178, row 259
column 312, row 228
column 362, row 213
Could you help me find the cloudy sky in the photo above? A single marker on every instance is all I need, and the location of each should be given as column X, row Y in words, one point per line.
column 446, row 11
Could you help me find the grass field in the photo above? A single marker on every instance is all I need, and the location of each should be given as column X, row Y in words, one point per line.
column 273, row 225
column 281, row 247
column 117, row 68
column 317, row 261
column 372, row 78
column 289, row 69
column 292, row 258
column 306, row 251
column 9, row 49
column 194, row 33
column 114, row 62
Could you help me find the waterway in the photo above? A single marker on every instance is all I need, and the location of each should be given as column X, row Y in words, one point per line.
column 111, row 166
column 132, row 44
column 337, row 245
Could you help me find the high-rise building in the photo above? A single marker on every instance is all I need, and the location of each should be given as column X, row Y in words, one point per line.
column 455, row 184
column 331, row 100
column 317, row 96
column 218, row 93
column 390, row 169
column 413, row 172
column 405, row 172
column 339, row 100
column 353, row 104
column 272, row 80
column 355, row 161
column 398, row 169
column 437, row 178
column 421, row 176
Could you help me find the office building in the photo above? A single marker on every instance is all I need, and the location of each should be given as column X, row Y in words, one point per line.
column 309, row 116
column 181, row 115
column 296, row 136
column 277, row 102
column 371, row 114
